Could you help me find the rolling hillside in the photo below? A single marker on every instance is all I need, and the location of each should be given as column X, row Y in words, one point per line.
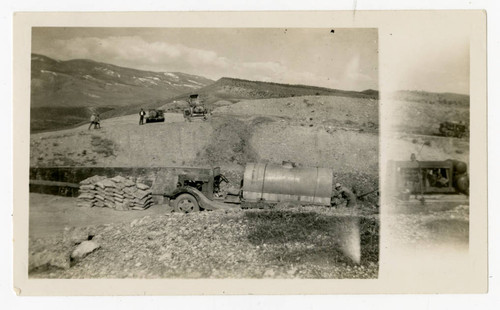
column 232, row 89
column 419, row 112
column 227, row 91
column 65, row 93
column 88, row 83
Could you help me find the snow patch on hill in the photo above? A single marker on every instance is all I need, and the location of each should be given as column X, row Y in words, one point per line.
column 49, row 72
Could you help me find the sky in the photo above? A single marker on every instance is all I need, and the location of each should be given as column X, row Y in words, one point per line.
column 343, row 59
column 426, row 56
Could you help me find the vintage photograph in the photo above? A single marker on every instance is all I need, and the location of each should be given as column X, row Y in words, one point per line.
column 228, row 153
column 428, row 141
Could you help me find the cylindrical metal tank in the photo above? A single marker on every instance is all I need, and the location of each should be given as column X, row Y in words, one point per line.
column 276, row 183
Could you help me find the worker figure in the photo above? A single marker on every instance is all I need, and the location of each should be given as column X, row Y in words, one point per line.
column 141, row 117
column 419, row 182
column 97, row 122
column 343, row 193
column 92, row 121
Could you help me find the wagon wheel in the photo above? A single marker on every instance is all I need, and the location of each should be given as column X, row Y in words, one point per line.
column 186, row 203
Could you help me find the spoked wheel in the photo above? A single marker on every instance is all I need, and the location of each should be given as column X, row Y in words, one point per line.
column 186, row 203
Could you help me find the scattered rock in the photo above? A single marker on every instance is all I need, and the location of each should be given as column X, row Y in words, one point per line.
column 47, row 258
column 166, row 256
column 292, row 271
column 84, row 249
column 134, row 223
column 269, row 273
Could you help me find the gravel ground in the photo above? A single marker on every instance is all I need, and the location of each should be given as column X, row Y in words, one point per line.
column 430, row 228
column 283, row 242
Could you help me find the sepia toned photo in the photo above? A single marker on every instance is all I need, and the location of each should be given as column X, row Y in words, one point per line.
column 223, row 153
column 204, row 153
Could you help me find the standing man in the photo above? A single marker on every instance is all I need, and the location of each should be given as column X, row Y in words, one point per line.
column 141, row 115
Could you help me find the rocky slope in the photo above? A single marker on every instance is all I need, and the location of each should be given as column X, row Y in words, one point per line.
column 286, row 242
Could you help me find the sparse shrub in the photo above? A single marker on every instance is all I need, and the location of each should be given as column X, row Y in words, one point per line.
column 414, row 141
column 55, row 144
column 102, row 146
column 427, row 143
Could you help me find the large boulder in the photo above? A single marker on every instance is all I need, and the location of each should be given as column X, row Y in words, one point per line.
column 84, row 249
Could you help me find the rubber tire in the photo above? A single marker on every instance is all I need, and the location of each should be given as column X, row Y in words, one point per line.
column 183, row 197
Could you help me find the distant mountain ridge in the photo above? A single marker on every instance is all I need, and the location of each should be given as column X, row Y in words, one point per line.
column 87, row 83
column 233, row 89
column 430, row 97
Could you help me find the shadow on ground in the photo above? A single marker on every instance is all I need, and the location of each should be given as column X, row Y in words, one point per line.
column 310, row 237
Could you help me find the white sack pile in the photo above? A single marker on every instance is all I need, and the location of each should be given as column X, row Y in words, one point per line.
column 117, row 193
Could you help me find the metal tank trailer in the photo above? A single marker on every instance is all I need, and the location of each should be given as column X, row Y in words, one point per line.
column 261, row 184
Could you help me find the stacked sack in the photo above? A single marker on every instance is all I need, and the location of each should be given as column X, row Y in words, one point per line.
column 117, row 193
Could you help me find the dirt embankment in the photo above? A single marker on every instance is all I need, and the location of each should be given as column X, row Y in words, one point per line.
column 423, row 118
column 122, row 142
column 343, row 135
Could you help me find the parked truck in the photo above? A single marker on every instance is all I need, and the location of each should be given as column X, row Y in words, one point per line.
column 262, row 183
column 154, row 116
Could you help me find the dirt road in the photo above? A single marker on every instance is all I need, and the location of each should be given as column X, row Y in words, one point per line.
column 49, row 215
